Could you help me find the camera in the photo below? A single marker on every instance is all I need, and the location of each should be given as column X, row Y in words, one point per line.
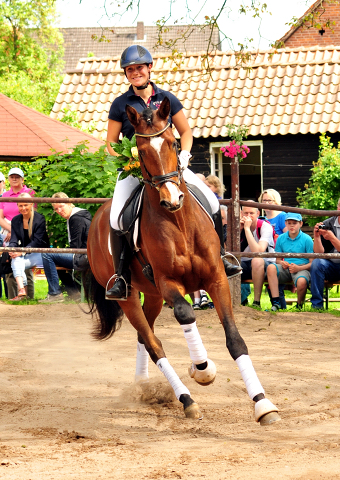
column 323, row 227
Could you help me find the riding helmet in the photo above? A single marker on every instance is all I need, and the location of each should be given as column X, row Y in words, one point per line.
column 135, row 55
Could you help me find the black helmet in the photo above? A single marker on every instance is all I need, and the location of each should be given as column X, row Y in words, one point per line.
column 135, row 55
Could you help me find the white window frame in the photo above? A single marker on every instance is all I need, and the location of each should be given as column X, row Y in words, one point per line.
column 214, row 145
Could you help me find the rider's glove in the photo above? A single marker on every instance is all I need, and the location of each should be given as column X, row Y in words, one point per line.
column 184, row 158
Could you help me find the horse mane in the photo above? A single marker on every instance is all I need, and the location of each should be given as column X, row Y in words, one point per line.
column 147, row 115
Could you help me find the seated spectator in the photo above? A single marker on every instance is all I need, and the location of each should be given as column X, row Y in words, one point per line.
column 28, row 229
column 326, row 240
column 7, row 212
column 215, row 185
column 255, row 238
column 274, row 217
column 291, row 269
column 78, row 223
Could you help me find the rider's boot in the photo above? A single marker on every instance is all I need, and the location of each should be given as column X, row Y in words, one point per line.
column 230, row 269
column 121, row 256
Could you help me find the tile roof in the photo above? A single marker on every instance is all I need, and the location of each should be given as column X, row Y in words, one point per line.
column 78, row 42
column 274, row 92
column 28, row 133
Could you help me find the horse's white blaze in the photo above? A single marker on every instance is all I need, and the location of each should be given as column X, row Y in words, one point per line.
column 156, row 143
column 174, row 191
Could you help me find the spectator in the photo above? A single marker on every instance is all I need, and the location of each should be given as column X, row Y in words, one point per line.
column 7, row 212
column 2, row 276
column 274, row 217
column 215, row 185
column 291, row 269
column 28, row 229
column 78, row 223
column 255, row 239
column 326, row 240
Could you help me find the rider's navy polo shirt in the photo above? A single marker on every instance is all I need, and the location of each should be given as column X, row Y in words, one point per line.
column 117, row 110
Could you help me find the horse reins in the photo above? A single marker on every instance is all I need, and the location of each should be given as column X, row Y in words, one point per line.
column 158, row 180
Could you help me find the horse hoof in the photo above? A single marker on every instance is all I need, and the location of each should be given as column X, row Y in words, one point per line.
column 193, row 411
column 140, row 379
column 263, row 408
column 203, row 377
column 270, row 418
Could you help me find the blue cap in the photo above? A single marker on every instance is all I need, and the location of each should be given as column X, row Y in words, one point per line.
column 293, row 216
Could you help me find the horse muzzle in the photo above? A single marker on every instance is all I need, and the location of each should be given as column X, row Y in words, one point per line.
column 171, row 197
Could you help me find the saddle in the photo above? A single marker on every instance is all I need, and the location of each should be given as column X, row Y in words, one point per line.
column 129, row 216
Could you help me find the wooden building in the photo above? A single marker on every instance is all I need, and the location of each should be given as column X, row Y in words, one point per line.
column 286, row 97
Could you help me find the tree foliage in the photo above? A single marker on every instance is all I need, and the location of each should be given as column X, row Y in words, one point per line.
column 323, row 189
column 79, row 174
column 30, row 52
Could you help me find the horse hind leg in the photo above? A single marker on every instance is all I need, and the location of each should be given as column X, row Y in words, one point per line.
column 202, row 369
column 151, row 307
column 133, row 310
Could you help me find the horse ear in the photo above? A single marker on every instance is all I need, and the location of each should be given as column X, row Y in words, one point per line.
column 133, row 115
column 164, row 109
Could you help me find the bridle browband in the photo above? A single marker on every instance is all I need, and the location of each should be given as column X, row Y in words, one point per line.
column 158, row 180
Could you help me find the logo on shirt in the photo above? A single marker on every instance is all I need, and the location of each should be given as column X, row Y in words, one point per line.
column 157, row 104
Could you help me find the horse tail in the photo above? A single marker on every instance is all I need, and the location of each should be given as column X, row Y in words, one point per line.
column 107, row 313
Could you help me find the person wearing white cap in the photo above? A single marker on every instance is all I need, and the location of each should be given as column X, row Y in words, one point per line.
column 7, row 212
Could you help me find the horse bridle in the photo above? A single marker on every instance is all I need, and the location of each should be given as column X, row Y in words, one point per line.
column 158, row 180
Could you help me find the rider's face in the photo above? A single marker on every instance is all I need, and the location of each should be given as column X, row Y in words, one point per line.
column 138, row 75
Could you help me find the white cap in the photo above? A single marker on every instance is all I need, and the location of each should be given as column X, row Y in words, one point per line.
column 2, row 177
column 16, row 171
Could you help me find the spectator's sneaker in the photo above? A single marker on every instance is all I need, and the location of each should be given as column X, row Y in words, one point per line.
column 204, row 300
column 53, row 298
column 257, row 306
column 196, row 306
column 275, row 308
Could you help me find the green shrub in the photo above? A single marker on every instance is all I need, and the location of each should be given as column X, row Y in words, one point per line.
column 323, row 189
column 78, row 174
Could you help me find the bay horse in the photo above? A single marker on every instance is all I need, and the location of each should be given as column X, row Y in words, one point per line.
column 177, row 238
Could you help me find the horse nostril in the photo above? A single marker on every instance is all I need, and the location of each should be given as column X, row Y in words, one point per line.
column 165, row 204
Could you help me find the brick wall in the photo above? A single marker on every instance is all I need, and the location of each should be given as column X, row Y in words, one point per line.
column 308, row 37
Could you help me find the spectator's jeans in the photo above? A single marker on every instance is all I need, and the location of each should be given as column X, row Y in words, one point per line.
column 321, row 270
column 20, row 264
column 50, row 262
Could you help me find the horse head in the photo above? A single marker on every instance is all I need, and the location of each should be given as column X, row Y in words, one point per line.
column 157, row 149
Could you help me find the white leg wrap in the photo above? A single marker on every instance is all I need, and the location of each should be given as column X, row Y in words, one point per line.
column 249, row 376
column 142, row 362
column 190, row 177
column 198, row 353
column 172, row 377
column 123, row 190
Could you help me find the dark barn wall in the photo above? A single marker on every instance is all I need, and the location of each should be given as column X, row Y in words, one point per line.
column 287, row 160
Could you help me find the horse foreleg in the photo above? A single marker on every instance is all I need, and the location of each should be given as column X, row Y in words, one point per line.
column 265, row 410
column 151, row 308
column 202, row 369
column 134, row 312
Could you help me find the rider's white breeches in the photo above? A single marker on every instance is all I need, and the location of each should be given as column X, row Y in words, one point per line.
column 122, row 192
column 125, row 187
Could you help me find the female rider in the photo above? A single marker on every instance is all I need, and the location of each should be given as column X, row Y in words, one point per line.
column 137, row 64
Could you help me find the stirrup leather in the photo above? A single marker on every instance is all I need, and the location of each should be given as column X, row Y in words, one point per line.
column 127, row 288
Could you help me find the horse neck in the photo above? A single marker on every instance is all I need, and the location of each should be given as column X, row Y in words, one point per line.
column 179, row 218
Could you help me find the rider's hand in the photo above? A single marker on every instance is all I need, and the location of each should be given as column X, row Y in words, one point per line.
column 184, row 158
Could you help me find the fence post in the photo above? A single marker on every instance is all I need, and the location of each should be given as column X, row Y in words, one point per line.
column 235, row 283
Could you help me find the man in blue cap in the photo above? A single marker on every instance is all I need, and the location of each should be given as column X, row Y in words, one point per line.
column 326, row 240
column 291, row 269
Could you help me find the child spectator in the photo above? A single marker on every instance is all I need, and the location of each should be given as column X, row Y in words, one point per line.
column 291, row 269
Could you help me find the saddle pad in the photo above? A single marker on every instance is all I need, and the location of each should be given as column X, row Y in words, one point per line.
column 129, row 216
column 200, row 197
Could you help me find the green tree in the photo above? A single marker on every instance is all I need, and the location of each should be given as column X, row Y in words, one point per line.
column 323, row 189
column 30, row 52
column 79, row 174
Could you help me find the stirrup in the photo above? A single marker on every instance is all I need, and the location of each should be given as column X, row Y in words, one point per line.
column 127, row 288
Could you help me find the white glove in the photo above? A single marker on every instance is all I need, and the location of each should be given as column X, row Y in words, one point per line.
column 184, row 158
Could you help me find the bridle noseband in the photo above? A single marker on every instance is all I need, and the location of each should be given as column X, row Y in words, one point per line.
column 158, row 180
